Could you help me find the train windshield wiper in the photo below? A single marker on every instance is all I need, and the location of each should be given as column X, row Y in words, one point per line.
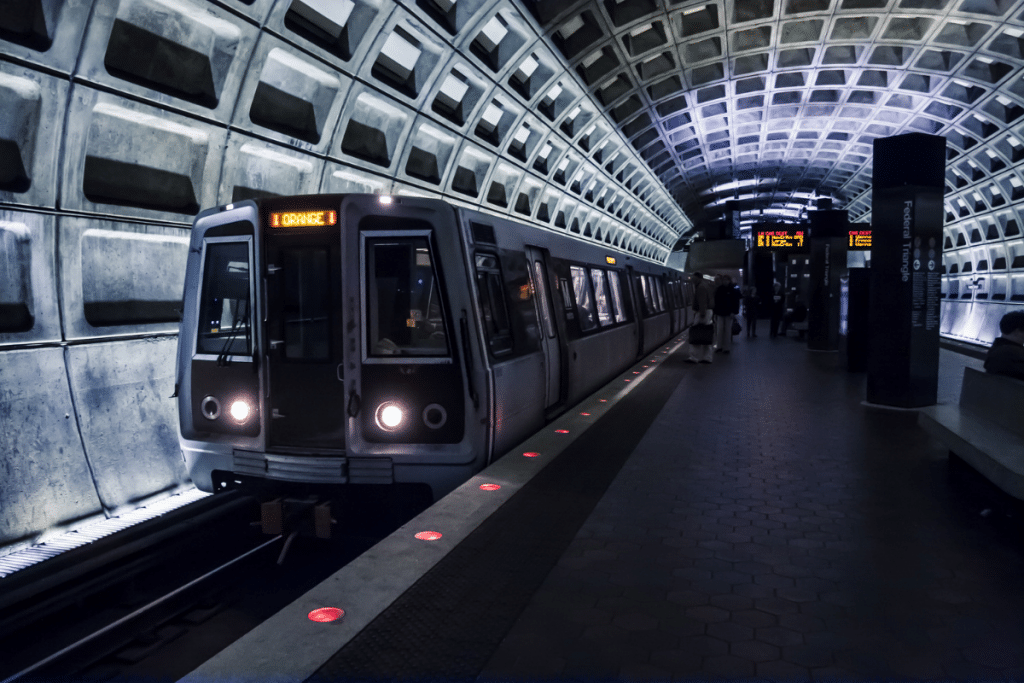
column 237, row 326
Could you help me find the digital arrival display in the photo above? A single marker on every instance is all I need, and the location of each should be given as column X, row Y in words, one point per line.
column 781, row 239
column 859, row 240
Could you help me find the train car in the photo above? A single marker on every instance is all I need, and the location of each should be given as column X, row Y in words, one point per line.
column 335, row 340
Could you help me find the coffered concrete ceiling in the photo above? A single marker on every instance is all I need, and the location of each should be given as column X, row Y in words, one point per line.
column 772, row 101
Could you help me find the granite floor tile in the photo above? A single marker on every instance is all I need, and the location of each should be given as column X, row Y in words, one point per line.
column 769, row 525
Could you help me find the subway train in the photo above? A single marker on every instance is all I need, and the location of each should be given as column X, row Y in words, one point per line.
column 334, row 340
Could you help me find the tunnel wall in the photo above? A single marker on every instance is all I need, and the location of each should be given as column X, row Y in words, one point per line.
column 121, row 119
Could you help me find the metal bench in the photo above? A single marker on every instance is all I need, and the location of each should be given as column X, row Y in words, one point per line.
column 986, row 429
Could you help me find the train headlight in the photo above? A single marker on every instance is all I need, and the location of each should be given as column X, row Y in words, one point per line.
column 389, row 416
column 239, row 411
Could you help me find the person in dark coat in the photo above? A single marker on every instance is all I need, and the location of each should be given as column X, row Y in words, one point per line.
column 727, row 305
column 701, row 353
column 1006, row 355
column 778, row 306
column 751, row 307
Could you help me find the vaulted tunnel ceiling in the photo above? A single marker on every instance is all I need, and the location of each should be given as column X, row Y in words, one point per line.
column 772, row 101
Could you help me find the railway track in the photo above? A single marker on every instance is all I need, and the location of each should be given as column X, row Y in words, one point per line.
column 163, row 610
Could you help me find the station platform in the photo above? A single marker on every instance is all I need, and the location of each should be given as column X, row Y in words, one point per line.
column 748, row 519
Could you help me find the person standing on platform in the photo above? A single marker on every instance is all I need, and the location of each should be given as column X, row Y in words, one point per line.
column 1006, row 355
column 727, row 305
column 701, row 352
column 751, row 307
column 778, row 305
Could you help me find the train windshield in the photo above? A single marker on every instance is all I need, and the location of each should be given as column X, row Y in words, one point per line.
column 306, row 303
column 224, row 307
column 404, row 310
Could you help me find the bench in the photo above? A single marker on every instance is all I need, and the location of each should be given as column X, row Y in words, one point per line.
column 800, row 328
column 986, row 429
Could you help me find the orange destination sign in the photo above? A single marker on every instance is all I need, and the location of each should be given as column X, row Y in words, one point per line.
column 303, row 219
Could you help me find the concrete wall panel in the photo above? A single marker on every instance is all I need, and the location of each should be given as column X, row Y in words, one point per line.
column 256, row 10
column 429, row 154
column 28, row 297
column 46, row 479
column 175, row 53
column 497, row 38
column 127, row 417
column 254, row 168
column 120, row 278
column 47, row 33
column 295, row 99
column 404, row 59
column 458, row 94
column 133, row 159
column 372, row 130
column 31, row 116
column 338, row 31
column 339, row 178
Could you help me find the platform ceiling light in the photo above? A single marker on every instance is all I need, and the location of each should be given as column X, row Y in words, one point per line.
column 385, row 200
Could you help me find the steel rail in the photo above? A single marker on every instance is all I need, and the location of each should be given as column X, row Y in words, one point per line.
column 127, row 619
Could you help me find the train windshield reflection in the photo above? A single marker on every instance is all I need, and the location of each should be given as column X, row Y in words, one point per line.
column 224, row 320
column 403, row 306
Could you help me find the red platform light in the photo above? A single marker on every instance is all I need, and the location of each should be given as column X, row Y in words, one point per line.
column 489, row 487
column 530, row 454
column 628, row 380
column 561, row 431
column 325, row 614
column 428, row 535
column 602, row 400
column 636, row 372
column 585, row 414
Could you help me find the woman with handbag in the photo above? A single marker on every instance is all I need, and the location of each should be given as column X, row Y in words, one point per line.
column 701, row 333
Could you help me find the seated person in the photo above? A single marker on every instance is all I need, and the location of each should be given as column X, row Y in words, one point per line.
column 1006, row 355
column 797, row 315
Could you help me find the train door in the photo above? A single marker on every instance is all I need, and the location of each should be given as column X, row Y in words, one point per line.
column 549, row 330
column 305, row 372
column 638, row 307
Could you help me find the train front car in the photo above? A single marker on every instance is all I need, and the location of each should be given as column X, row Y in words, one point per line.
column 324, row 343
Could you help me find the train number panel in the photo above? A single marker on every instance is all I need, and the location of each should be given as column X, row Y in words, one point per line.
column 305, row 368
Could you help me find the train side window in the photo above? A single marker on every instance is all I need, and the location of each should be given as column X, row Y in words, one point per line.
column 601, row 298
column 566, row 296
column 616, row 287
column 584, row 301
column 658, row 288
column 645, row 284
column 540, row 278
column 404, row 311
column 492, row 301
column 225, row 301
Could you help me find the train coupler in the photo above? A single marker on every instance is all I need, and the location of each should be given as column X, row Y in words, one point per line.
column 282, row 516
